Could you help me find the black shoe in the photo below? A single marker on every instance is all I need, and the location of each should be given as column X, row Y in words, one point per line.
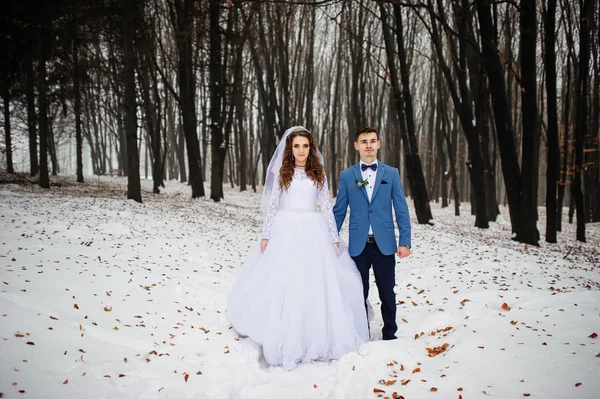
column 389, row 338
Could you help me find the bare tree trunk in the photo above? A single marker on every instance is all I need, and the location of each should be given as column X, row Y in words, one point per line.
column 553, row 146
column 404, row 109
column 44, row 181
column 52, row 149
column 592, row 143
column 335, row 119
column 217, row 95
column 148, row 80
column 77, row 105
column 31, row 116
column 182, row 16
column 7, row 132
column 531, row 127
column 506, row 141
column 562, row 185
column 462, row 105
column 581, row 111
column 134, row 191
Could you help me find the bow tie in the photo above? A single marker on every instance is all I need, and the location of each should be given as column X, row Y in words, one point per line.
column 364, row 166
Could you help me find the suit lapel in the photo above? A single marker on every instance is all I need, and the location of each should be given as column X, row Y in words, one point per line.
column 358, row 176
column 378, row 179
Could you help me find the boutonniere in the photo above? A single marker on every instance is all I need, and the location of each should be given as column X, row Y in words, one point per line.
column 361, row 183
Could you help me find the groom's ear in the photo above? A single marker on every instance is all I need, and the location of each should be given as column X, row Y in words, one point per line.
column 355, row 145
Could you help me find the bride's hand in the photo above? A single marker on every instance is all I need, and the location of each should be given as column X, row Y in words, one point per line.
column 336, row 246
column 263, row 244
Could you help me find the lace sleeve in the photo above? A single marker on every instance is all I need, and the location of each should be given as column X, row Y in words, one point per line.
column 271, row 211
column 325, row 201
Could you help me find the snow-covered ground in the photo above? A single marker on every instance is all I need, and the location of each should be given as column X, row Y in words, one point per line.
column 101, row 297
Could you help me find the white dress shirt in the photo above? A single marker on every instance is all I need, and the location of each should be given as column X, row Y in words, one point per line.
column 369, row 175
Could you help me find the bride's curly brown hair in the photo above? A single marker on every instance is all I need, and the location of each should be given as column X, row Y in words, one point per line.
column 314, row 169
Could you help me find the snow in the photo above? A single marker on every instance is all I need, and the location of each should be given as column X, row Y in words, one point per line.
column 101, row 297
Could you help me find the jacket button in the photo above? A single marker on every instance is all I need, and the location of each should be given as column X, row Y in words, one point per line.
column 370, row 211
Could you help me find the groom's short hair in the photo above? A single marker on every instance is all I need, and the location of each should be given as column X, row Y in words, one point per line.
column 365, row 129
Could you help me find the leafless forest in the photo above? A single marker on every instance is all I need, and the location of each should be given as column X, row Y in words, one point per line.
column 495, row 103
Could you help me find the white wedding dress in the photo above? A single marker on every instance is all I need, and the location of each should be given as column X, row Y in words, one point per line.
column 302, row 299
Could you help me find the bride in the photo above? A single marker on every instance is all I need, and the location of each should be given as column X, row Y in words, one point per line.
column 299, row 296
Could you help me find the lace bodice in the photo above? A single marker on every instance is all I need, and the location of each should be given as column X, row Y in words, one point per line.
column 302, row 196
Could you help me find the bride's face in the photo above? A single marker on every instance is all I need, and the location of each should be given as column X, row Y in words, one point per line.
column 300, row 150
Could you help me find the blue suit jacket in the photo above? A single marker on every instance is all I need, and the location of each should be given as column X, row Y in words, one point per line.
column 377, row 213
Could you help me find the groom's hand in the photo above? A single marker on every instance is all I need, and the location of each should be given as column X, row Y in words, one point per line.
column 403, row 251
column 263, row 244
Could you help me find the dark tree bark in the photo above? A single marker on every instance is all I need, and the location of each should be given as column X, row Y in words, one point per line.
column 531, row 127
column 581, row 113
column 592, row 142
column 442, row 99
column 183, row 18
column 6, row 98
column 217, row 95
column 44, row 181
column 52, row 149
column 150, row 95
column 129, row 14
column 553, row 146
column 355, row 17
column 267, row 97
column 404, row 109
column 562, row 185
column 333, row 155
column 238, row 96
column 523, row 227
column 77, row 105
column 463, row 108
column 419, row 192
column 31, row 115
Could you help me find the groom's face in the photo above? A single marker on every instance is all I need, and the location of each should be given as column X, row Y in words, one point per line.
column 367, row 145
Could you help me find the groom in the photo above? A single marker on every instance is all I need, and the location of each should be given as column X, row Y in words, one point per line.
column 371, row 188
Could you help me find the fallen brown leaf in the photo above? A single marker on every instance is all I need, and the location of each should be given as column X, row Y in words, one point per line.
column 377, row 390
column 593, row 335
column 505, row 306
column 66, row 382
column 578, row 384
column 433, row 389
column 417, row 370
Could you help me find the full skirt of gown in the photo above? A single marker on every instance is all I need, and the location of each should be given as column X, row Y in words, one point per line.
column 302, row 299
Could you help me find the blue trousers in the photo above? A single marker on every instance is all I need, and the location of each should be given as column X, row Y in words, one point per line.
column 385, row 278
